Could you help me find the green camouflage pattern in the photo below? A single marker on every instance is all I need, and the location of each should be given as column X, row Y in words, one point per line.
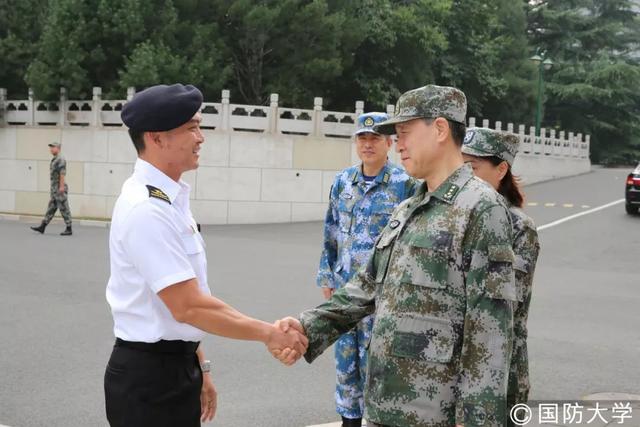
column 429, row 101
column 441, row 284
column 485, row 142
column 57, row 167
column 58, row 201
column 526, row 248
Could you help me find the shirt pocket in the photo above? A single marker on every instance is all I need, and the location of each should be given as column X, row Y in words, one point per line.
column 500, row 282
column 380, row 214
column 424, row 338
column 345, row 212
column 521, row 268
column 427, row 261
column 192, row 243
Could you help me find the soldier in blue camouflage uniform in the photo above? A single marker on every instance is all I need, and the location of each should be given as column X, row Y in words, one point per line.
column 361, row 202
column 59, row 191
column 491, row 154
column 440, row 281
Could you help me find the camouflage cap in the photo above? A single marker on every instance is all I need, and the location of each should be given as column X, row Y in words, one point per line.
column 429, row 101
column 367, row 121
column 484, row 142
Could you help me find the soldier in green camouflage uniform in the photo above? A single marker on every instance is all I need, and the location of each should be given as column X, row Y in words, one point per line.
column 58, row 193
column 440, row 281
column 491, row 154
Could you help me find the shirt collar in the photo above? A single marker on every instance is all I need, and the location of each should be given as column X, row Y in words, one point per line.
column 449, row 189
column 151, row 175
column 383, row 176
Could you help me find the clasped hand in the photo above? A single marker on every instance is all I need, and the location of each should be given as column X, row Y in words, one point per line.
column 287, row 342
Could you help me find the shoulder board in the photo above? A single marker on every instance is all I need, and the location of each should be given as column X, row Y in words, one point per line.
column 158, row 193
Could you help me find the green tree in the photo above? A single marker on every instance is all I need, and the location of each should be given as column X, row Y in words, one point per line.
column 487, row 58
column 592, row 87
column 20, row 28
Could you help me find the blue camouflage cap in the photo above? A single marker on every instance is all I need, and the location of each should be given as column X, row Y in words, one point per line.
column 367, row 121
column 161, row 108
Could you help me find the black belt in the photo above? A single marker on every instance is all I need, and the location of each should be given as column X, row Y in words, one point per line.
column 163, row 346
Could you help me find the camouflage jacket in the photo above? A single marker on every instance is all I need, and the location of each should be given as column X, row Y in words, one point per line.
column 356, row 215
column 526, row 248
column 441, row 284
column 57, row 167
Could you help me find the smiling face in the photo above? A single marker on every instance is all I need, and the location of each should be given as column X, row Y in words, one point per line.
column 179, row 148
column 372, row 148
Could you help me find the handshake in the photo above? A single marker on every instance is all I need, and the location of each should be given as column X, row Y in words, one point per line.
column 287, row 341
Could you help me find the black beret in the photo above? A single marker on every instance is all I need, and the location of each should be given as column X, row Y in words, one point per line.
column 161, row 108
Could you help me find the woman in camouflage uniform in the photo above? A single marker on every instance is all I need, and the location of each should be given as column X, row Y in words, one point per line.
column 491, row 154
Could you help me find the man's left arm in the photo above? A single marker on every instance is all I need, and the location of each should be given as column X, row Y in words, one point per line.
column 208, row 395
column 62, row 170
column 488, row 322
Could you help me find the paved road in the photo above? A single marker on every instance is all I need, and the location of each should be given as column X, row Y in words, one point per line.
column 55, row 327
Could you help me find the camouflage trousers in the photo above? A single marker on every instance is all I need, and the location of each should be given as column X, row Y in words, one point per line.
column 351, row 365
column 58, row 201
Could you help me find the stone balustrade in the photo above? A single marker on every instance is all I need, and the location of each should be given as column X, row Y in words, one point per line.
column 259, row 164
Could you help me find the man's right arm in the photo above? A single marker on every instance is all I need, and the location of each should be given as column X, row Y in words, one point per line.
column 154, row 247
column 346, row 307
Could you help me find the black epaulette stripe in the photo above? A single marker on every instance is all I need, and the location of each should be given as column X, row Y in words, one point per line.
column 158, row 193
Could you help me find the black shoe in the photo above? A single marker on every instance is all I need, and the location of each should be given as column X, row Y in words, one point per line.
column 351, row 422
column 40, row 228
column 67, row 231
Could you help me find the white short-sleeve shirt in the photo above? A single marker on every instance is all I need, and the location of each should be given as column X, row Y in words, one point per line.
column 153, row 243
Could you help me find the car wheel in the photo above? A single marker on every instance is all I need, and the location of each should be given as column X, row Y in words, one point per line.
column 631, row 209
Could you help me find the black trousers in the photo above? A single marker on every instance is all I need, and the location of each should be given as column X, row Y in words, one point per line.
column 153, row 385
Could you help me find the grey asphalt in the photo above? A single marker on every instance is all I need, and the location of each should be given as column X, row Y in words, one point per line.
column 55, row 325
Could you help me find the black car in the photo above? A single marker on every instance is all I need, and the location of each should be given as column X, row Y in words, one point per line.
column 632, row 193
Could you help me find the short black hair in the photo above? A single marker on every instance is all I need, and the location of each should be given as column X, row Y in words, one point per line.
column 458, row 130
column 138, row 140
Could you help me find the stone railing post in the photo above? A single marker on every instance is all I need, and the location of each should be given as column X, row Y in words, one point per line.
column 498, row 125
column 391, row 109
column 472, row 122
column 30, row 109
column 130, row 92
column 317, row 116
column 3, row 106
column 63, row 107
column 534, row 140
column 359, row 108
column 510, row 127
column 587, row 145
column 273, row 113
column 225, row 110
column 578, row 147
column 95, row 107
column 552, row 138
column 485, row 123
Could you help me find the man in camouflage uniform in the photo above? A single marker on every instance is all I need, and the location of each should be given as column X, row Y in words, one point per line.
column 361, row 201
column 486, row 143
column 58, row 192
column 440, row 282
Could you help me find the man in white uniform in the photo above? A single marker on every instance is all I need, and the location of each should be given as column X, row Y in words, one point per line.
column 158, row 292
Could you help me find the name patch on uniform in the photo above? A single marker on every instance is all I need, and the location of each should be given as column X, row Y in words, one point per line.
column 158, row 193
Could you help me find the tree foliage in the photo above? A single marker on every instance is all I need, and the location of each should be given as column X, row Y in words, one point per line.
column 371, row 50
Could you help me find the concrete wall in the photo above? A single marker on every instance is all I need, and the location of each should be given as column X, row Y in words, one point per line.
column 244, row 177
